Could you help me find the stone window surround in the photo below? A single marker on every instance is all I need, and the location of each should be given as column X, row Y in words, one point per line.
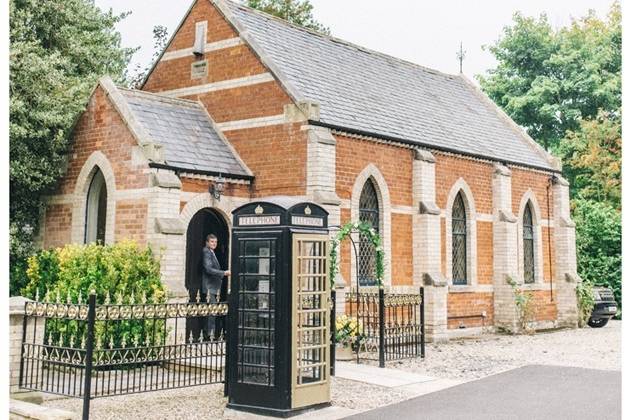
column 385, row 213
column 529, row 197
column 96, row 161
column 472, row 251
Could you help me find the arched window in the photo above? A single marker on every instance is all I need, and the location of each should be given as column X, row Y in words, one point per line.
column 368, row 212
column 459, row 241
column 96, row 209
column 529, row 246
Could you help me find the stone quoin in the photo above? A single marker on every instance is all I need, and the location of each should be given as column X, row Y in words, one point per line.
column 267, row 108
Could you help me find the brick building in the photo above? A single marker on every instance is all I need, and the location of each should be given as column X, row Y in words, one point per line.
column 462, row 197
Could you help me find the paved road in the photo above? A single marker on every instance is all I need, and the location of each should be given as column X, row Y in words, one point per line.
column 529, row 393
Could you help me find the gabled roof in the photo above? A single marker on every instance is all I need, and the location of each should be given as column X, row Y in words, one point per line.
column 182, row 128
column 369, row 92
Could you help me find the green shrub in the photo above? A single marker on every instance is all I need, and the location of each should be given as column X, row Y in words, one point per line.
column 585, row 301
column 525, row 304
column 123, row 273
column 599, row 244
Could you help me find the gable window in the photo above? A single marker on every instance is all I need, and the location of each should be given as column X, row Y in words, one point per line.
column 368, row 212
column 96, row 210
column 529, row 246
column 459, row 241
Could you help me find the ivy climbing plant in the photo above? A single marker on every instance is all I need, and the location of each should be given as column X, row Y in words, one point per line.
column 366, row 229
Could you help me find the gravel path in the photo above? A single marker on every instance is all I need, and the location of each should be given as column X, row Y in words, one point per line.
column 208, row 402
column 465, row 359
column 474, row 358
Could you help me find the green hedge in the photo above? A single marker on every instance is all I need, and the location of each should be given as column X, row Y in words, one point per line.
column 120, row 271
column 599, row 244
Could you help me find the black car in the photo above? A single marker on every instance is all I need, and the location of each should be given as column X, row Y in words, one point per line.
column 605, row 307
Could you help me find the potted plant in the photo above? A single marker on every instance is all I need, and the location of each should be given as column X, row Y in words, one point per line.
column 348, row 336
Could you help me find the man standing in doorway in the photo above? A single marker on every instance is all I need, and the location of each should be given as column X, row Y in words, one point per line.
column 212, row 276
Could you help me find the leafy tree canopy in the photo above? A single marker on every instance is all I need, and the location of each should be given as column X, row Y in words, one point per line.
column 592, row 156
column 599, row 244
column 548, row 80
column 160, row 39
column 298, row 12
column 58, row 50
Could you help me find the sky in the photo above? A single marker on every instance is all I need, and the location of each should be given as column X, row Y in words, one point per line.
column 424, row 32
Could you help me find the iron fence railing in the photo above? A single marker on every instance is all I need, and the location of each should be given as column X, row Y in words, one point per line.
column 391, row 324
column 88, row 351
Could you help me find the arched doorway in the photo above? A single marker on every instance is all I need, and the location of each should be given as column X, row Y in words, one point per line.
column 205, row 221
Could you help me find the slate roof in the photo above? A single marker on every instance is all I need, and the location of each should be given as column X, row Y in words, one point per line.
column 367, row 91
column 186, row 133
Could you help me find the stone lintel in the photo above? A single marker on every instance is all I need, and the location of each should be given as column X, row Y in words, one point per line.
column 170, row 226
column 320, row 134
column 166, row 179
column 501, row 169
column 424, row 155
column 153, row 152
column 559, row 180
column 428, row 207
column 434, row 279
column 326, row 197
column 572, row 278
column 507, row 216
column 302, row 111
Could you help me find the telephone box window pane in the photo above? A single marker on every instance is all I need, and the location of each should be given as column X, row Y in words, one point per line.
column 312, row 312
column 256, row 311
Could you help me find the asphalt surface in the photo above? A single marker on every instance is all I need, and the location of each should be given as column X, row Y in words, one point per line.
column 528, row 393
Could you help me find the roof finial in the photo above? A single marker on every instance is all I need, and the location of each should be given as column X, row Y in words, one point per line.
column 460, row 55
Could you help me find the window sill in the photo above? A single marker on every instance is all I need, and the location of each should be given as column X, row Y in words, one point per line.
column 535, row 286
column 471, row 288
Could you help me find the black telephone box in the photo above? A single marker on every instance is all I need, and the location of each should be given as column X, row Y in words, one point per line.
column 278, row 332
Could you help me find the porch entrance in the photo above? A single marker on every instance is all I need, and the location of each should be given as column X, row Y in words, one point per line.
column 204, row 222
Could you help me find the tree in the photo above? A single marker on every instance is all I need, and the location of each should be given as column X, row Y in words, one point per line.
column 592, row 156
column 548, row 81
column 160, row 39
column 599, row 244
column 564, row 87
column 58, row 50
column 298, row 12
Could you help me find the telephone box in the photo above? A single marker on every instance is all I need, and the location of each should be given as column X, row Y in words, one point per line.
column 278, row 333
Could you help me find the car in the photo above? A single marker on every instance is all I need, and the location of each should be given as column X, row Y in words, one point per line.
column 605, row 307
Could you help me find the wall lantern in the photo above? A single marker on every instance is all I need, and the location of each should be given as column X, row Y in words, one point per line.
column 216, row 189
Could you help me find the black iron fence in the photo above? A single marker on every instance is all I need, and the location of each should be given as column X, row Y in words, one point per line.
column 87, row 350
column 391, row 324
